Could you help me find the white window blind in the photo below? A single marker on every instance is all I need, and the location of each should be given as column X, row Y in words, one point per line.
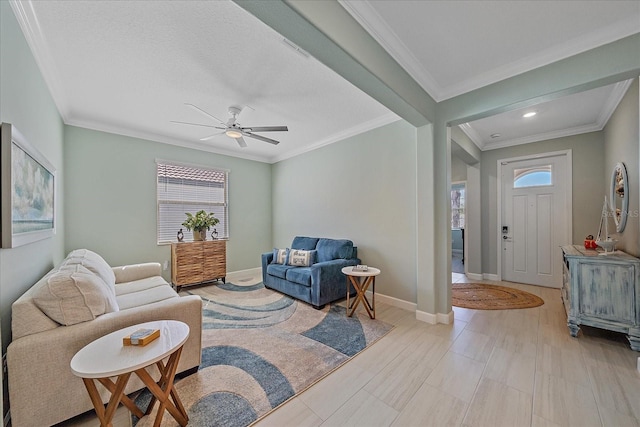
column 184, row 188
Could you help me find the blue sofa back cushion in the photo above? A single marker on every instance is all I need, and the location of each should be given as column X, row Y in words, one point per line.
column 304, row 243
column 329, row 249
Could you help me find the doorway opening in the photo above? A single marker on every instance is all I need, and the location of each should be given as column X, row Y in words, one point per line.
column 458, row 190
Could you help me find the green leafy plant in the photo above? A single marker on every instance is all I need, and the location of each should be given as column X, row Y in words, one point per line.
column 200, row 221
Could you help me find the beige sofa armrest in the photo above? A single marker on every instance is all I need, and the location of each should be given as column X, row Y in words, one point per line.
column 39, row 371
column 129, row 273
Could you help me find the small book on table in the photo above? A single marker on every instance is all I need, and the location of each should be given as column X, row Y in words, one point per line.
column 141, row 337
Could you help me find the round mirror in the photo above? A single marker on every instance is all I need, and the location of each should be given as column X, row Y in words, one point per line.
column 619, row 197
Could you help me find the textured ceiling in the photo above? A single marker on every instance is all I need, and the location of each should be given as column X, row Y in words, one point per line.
column 130, row 67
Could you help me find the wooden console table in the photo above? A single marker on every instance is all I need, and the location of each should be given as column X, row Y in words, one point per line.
column 193, row 263
column 602, row 291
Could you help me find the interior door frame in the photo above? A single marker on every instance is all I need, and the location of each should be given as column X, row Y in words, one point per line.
column 568, row 201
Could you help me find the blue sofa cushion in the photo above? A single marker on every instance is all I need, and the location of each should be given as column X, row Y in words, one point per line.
column 300, row 275
column 300, row 258
column 304, row 243
column 278, row 270
column 280, row 256
column 329, row 249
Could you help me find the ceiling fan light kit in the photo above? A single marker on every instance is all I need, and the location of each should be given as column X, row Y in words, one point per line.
column 233, row 129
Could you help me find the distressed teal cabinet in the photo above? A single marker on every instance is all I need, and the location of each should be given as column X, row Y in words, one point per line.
column 602, row 291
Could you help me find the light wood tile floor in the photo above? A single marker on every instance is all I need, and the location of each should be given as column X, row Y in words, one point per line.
column 490, row 368
column 507, row 368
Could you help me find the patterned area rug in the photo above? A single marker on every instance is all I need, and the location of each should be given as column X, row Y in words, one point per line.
column 260, row 348
column 492, row 297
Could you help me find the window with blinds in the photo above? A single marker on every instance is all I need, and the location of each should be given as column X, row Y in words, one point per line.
column 184, row 188
column 457, row 206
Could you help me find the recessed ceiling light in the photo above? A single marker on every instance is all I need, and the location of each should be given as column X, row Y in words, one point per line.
column 496, row 135
column 529, row 114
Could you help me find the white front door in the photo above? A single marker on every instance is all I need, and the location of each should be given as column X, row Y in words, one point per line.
column 535, row 218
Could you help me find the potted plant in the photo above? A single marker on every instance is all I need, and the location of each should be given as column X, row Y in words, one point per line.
column 200, row 223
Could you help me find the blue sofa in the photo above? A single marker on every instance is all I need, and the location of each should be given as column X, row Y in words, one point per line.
column 320, row 283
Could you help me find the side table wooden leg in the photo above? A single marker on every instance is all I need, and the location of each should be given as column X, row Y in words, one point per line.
column 105, row 416
column 163, row 390
column 111, row 386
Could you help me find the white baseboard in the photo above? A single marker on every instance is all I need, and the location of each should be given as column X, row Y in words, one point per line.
column 447, row 319
column 493, row 277
column 475, row 276
column 423, row 316
column 248, row 271
column 429, row 318
column 433, row 319
column 405, row 305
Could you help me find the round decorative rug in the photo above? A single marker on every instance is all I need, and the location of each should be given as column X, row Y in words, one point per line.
column 492, row 297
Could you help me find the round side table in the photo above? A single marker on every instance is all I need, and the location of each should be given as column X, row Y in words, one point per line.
column 107, row 357
column 361, row 280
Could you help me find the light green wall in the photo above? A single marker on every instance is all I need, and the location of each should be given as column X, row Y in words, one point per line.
column 458, row 169
column 111, row 198
column 621, row 141
column 588, row 171
column 362, row 189
column 26, row 103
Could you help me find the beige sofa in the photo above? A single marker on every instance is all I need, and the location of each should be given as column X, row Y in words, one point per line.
column 75, row 303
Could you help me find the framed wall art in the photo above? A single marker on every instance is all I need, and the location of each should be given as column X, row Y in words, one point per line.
column 27, row 191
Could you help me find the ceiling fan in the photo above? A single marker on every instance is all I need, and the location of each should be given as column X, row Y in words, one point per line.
column 233, row 129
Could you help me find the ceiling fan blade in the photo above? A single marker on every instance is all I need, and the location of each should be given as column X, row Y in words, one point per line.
column 266, row 129
column 203, row 112
column 261, row 138
column 241, row 142
column 196, row 124
column 207, row 138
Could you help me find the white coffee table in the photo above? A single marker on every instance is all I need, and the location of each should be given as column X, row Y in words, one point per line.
column 107, row 357
column 361, row 280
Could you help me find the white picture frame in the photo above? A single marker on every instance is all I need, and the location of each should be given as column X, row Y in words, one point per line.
column 27, row 191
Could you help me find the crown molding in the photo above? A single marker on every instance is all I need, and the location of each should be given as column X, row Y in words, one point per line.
column 148, row 136
column 28, row 22
column 557, row 53
column 616, row 95
column 356, row 130
column 618, row 92
column 473, row 135
column 377, row 27
column 544, row 136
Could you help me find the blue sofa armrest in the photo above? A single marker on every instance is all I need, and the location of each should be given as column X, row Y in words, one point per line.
column 327, row 281
column 266, row 260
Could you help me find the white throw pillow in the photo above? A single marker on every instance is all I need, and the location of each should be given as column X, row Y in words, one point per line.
column 300, row 258
column 94, row 263
column 73, row 294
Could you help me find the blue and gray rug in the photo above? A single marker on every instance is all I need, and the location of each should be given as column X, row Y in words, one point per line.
column 260, row 348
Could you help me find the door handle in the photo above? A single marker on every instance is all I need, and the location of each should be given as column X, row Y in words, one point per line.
column 506, row 238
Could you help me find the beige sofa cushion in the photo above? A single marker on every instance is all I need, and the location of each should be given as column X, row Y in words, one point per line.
column 94, row 263
column 73, row 294
column 142, row 292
